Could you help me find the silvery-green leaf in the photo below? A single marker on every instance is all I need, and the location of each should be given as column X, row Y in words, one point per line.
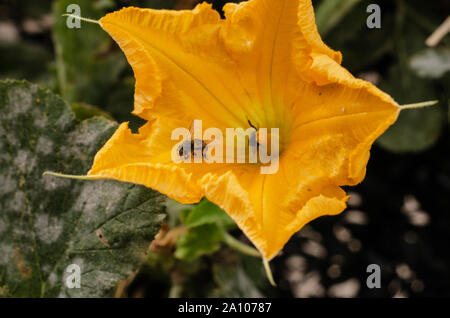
column 49, row 223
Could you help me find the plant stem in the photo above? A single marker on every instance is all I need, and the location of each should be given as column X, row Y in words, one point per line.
column 269, row 272
column 439, row 33
column 240, row 247
column 419, row 105
column 71, row 176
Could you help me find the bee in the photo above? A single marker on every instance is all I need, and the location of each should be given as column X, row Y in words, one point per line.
column 194, row 148
column 197, row 147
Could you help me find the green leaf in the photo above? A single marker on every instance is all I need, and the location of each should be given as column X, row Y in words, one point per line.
column 88, row 63
column 418, row 129
column 206, row 224
column 207, row 212
column 201, row 240
column 49, row 223
column 431, row 63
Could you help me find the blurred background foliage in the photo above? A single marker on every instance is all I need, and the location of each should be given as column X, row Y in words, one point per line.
column 397, row 218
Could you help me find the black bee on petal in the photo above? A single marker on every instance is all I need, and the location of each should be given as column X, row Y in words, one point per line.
column 195, row 148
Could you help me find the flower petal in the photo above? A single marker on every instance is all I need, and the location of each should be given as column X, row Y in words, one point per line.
column 337, row 120
column 271, row 42
column 180, row 65
column 270, row 208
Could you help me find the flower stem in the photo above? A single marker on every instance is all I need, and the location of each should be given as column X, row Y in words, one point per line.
column 247, row 250
column 268, row 272
column 81, row 18
column 240, row 247
column 419, row 105
column 71, row 176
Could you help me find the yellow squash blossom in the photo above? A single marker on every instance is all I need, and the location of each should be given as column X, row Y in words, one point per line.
column 264, row 64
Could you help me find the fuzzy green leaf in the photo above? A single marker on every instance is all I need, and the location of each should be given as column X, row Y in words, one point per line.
column 48, row 223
